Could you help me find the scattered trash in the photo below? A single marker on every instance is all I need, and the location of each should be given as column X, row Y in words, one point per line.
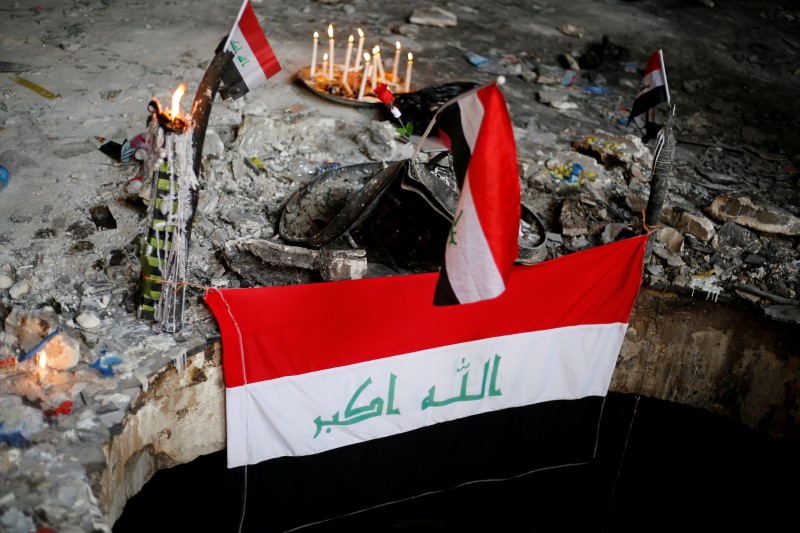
column 476, row 60
column 128, row 151
column 570, row 76
column 5, row 174
column 7, row 66
column 41, row 91
column 255, row 164
column 573, row 174
column 63, row 409
column 596, row 89
column 103, row 365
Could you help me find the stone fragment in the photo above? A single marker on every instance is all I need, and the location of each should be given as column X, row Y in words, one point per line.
column 332, row 264
column 614, row 150
column 553, row 96
column 756, row 214
column 574, row 218
column 19, row 289
column 433, row 16
column 693, row 223
column 671, row 238
column 733, row 240
column 6, row 281
column 87, row 320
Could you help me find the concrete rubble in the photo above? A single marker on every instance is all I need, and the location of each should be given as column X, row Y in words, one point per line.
column 729, row 228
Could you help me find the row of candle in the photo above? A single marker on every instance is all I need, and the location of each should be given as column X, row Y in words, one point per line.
column 373, row 66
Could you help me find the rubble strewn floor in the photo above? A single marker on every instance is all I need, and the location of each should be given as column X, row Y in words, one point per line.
column 71, row 214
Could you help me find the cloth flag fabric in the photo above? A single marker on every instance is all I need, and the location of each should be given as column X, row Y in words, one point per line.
column 483, row 240
column 653, row 89
column 253, row 62
column 333, row 407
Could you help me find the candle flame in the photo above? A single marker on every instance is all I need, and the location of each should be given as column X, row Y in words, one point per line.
column 325, row 56
column 366, row 56
column 350, row 39
column 42, row 359
column 397, row 45
column 316, row 35
column 376, row 50
column 360, row 33
column 330, row 31
column 410, row 57
column 176, row 100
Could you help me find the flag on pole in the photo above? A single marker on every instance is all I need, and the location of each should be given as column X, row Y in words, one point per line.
column 330, row 413
column 253, row 62
column 483, row 240
column 652, row 91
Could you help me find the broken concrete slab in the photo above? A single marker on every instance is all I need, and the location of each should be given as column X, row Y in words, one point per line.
column 754, row 213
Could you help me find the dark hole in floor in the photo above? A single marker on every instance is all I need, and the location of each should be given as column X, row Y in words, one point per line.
column 683, row 469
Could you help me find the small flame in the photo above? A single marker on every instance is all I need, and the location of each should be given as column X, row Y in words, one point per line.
column 376, row 50
column 316, row 35
column 330, row 31
column 350, row 39
column 42, row 360
column 360, row 33
column 397, row 45
column 410, row 57
column 366, row 56
column 176, row 100
column 325, row 56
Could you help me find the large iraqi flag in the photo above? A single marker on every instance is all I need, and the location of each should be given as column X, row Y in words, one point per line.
column 344, row 396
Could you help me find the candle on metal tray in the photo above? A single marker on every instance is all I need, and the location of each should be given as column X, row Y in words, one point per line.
column 360, row 49
column 396, row 62
column 364, row 76
column 330, row 53
column 314, row 56
column 408, row 72
column 345, row 72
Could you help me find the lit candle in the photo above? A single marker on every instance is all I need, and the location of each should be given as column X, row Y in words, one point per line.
column 314, row 55
column 347, row 64
column 348, row 56
column 408, row 71
column 330, row 51
column 364, row 77
column 42, row 365
column 377, row 62
column 360, row 49
column 325, row 63
column 396, row 61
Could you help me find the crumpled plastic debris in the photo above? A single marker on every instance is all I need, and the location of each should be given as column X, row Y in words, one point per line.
column 573, row 174
column 105, row 363
column 126, row 152
column 64, row 408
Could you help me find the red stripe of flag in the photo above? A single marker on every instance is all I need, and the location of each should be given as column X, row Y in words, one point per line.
column 291, row 330
column 494, row 180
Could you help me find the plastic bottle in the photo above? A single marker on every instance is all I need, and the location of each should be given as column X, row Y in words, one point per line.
column 4, row 175
column 9, row 164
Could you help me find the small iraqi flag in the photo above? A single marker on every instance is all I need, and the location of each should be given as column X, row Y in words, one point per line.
column 330, row 413
column 253, row 58
column 653, row 89
column 483, row 241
